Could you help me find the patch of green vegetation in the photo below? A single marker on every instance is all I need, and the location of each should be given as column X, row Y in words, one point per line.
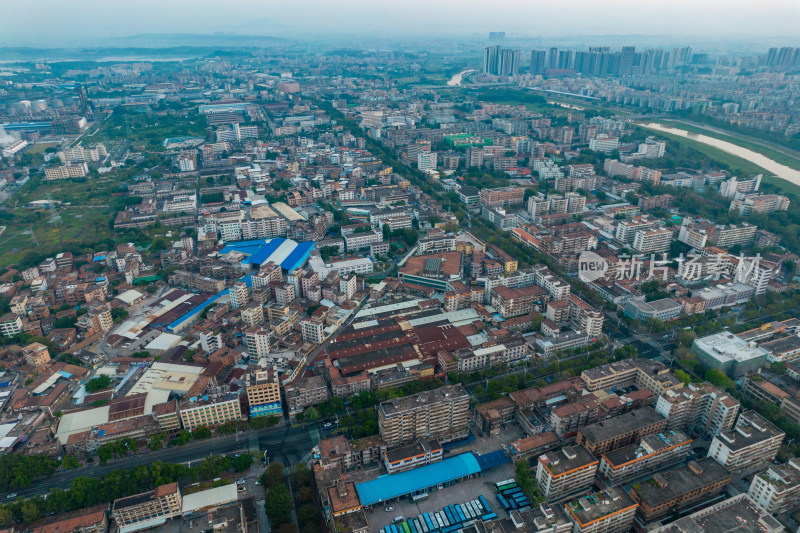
column 148, row 129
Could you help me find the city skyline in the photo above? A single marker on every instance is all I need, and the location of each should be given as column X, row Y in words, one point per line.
column 42, row 22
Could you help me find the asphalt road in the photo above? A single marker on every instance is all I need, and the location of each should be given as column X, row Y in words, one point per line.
column 283, row 443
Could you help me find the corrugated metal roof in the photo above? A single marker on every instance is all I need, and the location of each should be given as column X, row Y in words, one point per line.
column 391, row 486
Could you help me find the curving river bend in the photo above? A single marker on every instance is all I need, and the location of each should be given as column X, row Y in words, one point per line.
column 782, row 171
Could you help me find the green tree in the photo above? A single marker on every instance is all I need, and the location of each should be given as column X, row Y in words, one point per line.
column 778, row 367
column 273, row 475
column 243, row 462
column 717, row 377
column 98, row 383
column 278, row 504
column 70, row 462
column 201, row 432
column 683, row 376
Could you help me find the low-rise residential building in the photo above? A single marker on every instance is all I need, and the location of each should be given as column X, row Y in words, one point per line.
column 412, row 456
column 88, row 520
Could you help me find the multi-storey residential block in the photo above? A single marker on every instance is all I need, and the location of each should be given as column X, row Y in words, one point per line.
column 519, row 301
column 694, row 235
column 440, row 414
column 356, row 241
column 10, row 325
column 675, row 491
column 777, row 489
column 264, row 394
column 627, row 229
column 584, row 317
column 758, row 204
column 162, row 503
column 202, row 412
column 607, row 511
column 641, row 373
column 698, row 407
column 738, row 514
column 731, row 234
column 663, row 309
column 313, row 330
column 604, row 143
column 304, row 393
column 62, row 172
column 652, row 453
column 562, row 473
column 36, row 354
column 612, row 433
column 470, row 196
column 652, row 241
column 257, row 340
column 502, row 196
column 754, row 440
column 239, row 294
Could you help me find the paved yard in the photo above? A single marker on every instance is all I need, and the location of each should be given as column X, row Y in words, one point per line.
column 462, row 492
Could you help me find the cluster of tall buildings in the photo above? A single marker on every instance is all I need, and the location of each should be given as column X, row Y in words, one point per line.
column 596, row 61
column 601, row 61
column 783, row 57
column 501, row 61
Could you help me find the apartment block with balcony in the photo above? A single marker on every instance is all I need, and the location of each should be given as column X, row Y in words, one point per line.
column 204, row 412
column 652, row 453
column 701, row 407
column 753, row 441
column 777, row 489
column 440, row 414
column 303, row 393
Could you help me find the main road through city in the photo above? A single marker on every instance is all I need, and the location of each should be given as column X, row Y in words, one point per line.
column 283, row 443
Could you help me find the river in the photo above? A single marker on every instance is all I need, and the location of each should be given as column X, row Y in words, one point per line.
column 782, row 171
column 456, row 79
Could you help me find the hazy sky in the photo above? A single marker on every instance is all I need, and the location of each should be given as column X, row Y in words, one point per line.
column 83, row 22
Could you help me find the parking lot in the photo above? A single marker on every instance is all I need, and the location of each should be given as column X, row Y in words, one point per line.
column 462, row 492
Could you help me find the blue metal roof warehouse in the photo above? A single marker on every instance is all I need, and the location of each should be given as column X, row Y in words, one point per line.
column 286, row 252
column 392, row 486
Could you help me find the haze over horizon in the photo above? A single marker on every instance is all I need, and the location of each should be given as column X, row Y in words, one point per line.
column 53, row 23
